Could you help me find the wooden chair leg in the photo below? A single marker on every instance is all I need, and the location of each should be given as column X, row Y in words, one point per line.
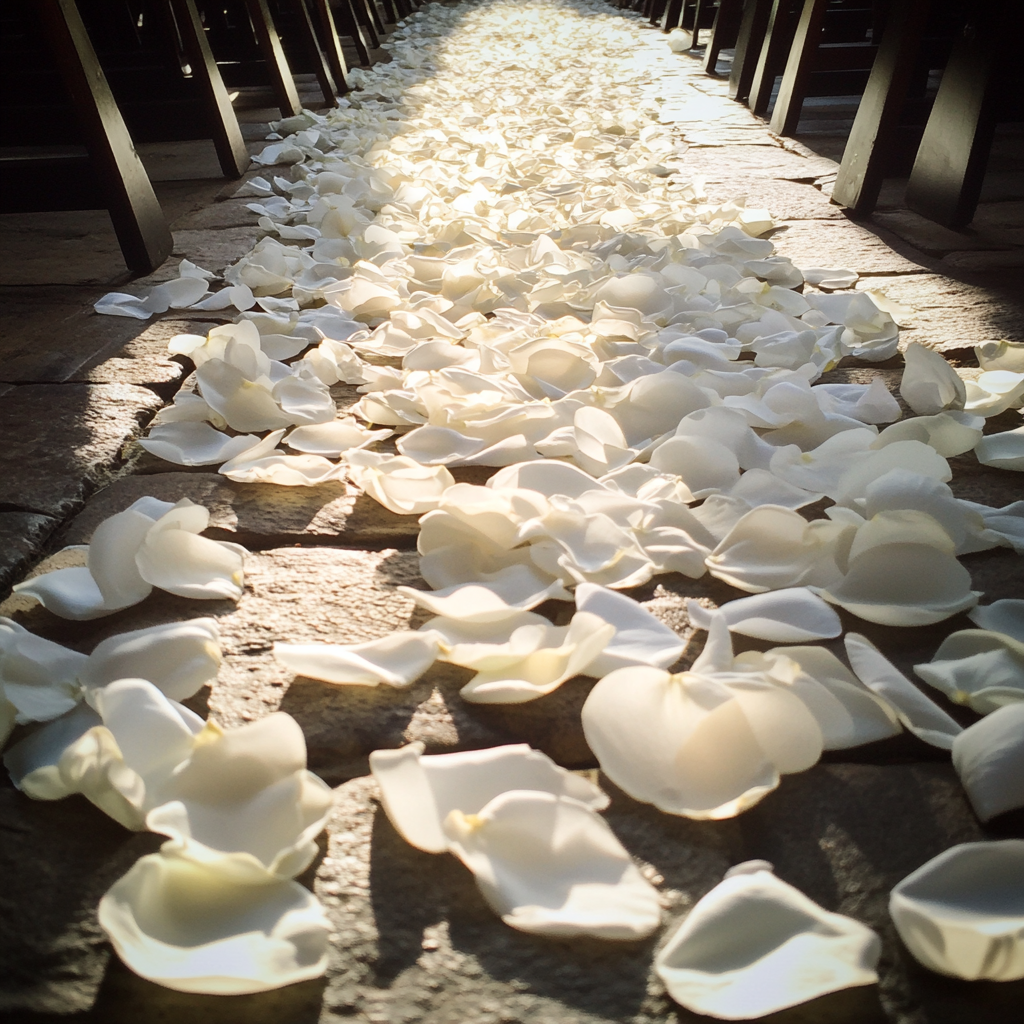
column 657, row 11
column 723, row 32
column 778, row 38
column 227, row 136
column 331, row 42
column 803, row 55
column 329, row 88
column 361, row 10
column 672, row 15
column 378, row 24
column 946, row 181
column 273, row 54
column 864, row 160
column 139, row 222
column 749, row 41
column 348, row 24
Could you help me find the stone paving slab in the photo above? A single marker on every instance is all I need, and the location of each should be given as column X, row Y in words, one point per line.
column 840, row 244
column 741, row 160
column 231, row 213
column 63, row 440
column 784, row 200
column 947, row 314
column 52, row 333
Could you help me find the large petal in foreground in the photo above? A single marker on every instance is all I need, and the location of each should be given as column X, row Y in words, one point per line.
column 551, row 865
column 194, row 929
column 754, row 945
column 962, row 913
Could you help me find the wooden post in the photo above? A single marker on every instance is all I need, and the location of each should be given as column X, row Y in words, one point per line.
column 227, row 136
column 349, row 25
column 331, row 43
column 723, row 32
column 329, row 88
column 803, row 53
column 273, row 53
column 777, row 41
column 864, row 160
column 134, row 210
column 671, row 15
column 749, row 41
column 946, row 181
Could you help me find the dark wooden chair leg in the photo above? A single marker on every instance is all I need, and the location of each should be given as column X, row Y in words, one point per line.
column 724, row 32
column 657, row 11
column 329, row 88
column 139, row 222
column 361, row 10
column 778, row 39
column 331, row 42
column 672, row 15
column 946, row 181
column 864, row 160
column 273, row 53
column 749, row 41
column 378, row 24
column 227, row 136
column 348, row 24
column 803, row 54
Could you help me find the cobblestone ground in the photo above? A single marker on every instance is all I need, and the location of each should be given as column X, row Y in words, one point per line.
column 413, row 940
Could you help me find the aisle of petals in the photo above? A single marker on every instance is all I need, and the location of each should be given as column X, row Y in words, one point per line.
column 490, row 248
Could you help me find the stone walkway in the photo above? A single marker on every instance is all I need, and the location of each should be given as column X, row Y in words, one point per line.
column 413, row 939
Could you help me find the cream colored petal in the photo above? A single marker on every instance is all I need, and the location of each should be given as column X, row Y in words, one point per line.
column 784, row 616
column 950, row 432
column 962, row 913
column 284, row 470
column 33, row 761
column 333, row 438
column 397, row 482
column 516, row 589
column 1002, row 451
column 178, row 658
column 755, row 945
column 705, row 466
column 903, row 585
column 679, row 742
column 246, row 792
column 419, row 792
column 979, row 668
column 847, row 712
column 922, row 716
column 188, row 565
column 245, row 405
column 194, row 444
column 112, row 557
column 70, row 593
column 774, row 548
column 40, row 678
column 989, row 758
column 552, row 866
column 192, row 928
column 640, row 639
column 542, row 670
column 466, row 643
column 398, row 659
column 1005, row 616
column 929, row 384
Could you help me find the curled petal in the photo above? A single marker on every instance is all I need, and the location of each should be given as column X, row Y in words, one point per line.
column 188, row 443
column 398, row 660
column 178, row 658
column 979, row 668
column 784, row 616
column 755, row 945
column 397, row 482
column 550, row 865
column 1006, row 616
column 192, row 928
column 989, row 758
column 904, row 584
column 962, row 913
column 640, row 639
column 929, row 383
column 515, row 589
column 922, row 716
column 183, row 563
column 419, row 792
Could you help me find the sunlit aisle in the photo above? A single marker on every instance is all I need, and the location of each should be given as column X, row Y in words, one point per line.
column 519, row 253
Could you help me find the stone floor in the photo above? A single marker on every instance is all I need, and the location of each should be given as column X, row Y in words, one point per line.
column 414, row 941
